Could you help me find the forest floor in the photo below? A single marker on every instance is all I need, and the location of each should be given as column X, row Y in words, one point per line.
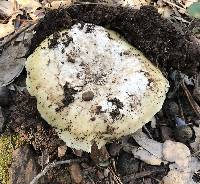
column 168, row 37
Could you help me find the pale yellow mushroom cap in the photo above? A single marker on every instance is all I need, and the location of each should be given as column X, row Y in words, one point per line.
column 92, row 86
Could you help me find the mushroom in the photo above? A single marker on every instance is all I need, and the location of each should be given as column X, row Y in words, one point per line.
column 93, row 86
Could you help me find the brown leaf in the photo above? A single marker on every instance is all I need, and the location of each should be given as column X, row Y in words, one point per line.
column 75, row 172
column 24, row 166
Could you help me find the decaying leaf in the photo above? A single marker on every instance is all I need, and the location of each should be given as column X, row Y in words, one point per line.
column 29, row 4
column 12, row 59
column 147, row 157
column 59, row 4
column 75, row 173
column 6, row 29
column 131, row 3
column 6, row 8
column 152, row 146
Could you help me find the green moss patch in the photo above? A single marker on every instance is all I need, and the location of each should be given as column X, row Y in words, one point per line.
column 7, row 144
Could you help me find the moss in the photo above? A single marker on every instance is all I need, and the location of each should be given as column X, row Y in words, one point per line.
column 7, row 144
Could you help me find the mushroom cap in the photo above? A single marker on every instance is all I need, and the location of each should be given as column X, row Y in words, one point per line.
column 93, row 86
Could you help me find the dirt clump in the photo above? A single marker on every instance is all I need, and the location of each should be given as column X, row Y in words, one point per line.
column 156, row 37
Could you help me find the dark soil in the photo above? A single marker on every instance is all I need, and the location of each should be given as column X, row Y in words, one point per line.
column 27, row 121
column 157, row 38
column 68, row 96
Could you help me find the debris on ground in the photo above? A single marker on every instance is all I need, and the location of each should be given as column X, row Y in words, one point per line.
column 165, row 150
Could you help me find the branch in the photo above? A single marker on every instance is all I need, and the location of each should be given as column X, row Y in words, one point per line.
column 11, row 37
column 52, row 165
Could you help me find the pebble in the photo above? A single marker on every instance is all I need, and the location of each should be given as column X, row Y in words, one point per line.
column 184, row 134
column 62, row 150
column 87, row 96
column 4, row 96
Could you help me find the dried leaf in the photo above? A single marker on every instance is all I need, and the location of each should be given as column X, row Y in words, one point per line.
column 31, row 4
column 6, row 8
column 145, row 156
column 182, row 166
column 58, row 4
column 12, row 60
column 24, row 166
column 6, row 29
column 152, row 146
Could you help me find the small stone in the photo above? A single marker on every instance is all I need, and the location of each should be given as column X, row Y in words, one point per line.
column 75, row 173
column 87, row 96
column 92, row 118
column 4, row 96
column 78, row 153
column 62, row 150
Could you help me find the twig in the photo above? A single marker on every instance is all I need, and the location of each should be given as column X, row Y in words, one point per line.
column 51, row 165
column 192, row 102
column 115, row 177
column 11, row 37
column 173, row 4
column 181, row 19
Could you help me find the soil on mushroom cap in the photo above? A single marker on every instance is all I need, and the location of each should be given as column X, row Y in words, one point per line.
column 145, row 29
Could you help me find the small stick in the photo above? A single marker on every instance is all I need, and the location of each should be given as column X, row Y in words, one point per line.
column 173, row 4
column 51, row 165
column 115, row 177
column 192, row 102
column 9, row 39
